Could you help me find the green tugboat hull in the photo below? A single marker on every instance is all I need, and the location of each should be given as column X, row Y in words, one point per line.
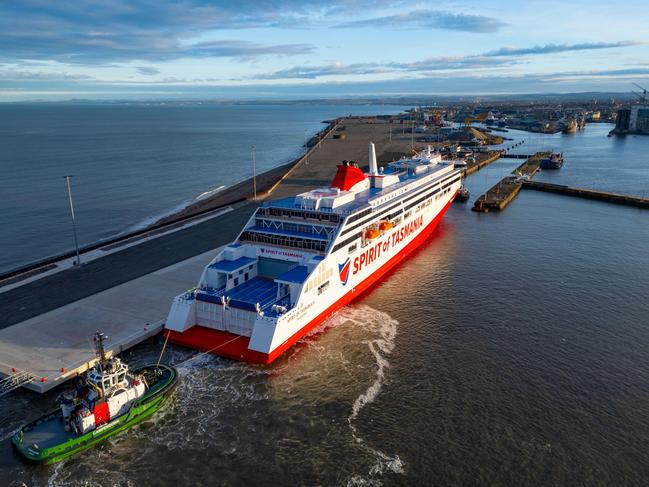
column 55, row 444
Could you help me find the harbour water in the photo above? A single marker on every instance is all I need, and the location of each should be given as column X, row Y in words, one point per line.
column 510, row 349
column 133, row 163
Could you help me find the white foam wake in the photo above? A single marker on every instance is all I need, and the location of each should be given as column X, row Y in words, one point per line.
column 385, row 329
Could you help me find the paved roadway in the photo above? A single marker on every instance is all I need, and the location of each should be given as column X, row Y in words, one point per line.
column 51, row 292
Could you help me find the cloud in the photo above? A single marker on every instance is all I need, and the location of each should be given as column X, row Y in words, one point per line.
column 432, row 19
column 148, row 70
column 336, row 69
column 38, row 76
column 98, row 32
column 506, row 56
column 553, row 48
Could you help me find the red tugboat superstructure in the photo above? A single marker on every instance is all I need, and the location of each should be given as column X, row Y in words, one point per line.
column 300, row 259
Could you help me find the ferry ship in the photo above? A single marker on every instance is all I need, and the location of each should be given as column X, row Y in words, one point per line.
column 300, row 259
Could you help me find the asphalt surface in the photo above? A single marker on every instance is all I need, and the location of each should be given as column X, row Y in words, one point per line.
column 64, row 287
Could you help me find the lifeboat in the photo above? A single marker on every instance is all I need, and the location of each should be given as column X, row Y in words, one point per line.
column 385, row 226
column 371, row 234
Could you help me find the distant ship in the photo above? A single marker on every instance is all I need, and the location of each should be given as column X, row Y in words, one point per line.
column 555, row 161
column 570, row 127
column 298, row 260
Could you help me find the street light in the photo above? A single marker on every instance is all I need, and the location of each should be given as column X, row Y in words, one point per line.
column 74, row 225
column 254, row 175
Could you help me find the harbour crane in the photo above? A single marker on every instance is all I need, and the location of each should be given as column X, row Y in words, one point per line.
column 643, row 95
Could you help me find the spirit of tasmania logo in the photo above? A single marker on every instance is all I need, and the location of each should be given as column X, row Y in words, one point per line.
column 343, row 271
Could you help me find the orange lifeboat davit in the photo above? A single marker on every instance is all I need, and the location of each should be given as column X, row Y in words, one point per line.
column 384, row 226
column 371, row 234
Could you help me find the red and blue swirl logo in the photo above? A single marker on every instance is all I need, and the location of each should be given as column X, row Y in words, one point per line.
column 343, row 271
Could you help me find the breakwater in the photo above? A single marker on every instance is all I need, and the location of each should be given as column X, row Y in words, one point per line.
column 616, row 198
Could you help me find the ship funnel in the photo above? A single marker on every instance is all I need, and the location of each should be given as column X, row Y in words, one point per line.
column 373, row 166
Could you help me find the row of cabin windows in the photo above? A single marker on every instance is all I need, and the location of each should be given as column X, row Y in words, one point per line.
column 346, row 242
column 286, row 213
column 284, row 241
column 429, row 194
column 319, row 279
column 358, row 216
column 108, row 383
column 391, row 196
column 292, row 227
column 423, row 205
column 397, row 193
column 375, row 217
column 383, row 212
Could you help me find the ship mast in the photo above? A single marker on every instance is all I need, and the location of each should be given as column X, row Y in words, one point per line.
column 99, row 349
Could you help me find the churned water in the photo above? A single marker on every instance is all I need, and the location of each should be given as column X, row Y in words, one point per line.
column 510, row 349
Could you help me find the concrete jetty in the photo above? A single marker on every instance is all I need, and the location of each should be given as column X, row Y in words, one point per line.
column 616, row 198
column 503, row 192
column 47, row 321
column 482, row 160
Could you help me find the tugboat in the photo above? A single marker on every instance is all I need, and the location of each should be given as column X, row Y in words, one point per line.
column 570, row 127
column 463, row 194
column 110, row 399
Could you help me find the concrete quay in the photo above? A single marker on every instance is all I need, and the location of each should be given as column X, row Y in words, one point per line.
column 56, row 346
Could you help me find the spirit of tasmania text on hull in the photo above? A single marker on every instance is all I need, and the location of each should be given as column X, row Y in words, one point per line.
column 300, row 259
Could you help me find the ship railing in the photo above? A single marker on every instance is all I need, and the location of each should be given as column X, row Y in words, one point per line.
column 12, row 382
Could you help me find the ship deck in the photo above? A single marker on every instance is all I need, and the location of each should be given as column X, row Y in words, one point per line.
column 363, row 197
column 48, row 433
column 245, row 296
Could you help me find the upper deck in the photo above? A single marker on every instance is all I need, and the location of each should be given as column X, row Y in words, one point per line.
column 396, row 178
column 311, row 221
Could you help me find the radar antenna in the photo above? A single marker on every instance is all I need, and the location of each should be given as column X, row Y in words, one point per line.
column 99, row 348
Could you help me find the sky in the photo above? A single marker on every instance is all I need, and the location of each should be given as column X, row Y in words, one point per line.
column 291, row 49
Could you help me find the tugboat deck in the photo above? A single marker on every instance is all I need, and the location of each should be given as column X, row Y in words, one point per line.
column 48, row 433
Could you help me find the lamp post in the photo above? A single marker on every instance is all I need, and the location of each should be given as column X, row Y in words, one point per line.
column 74, row 225
column 254, row 175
